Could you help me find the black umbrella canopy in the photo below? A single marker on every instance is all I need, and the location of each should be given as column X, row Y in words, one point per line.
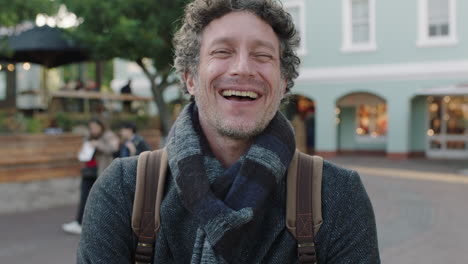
column 44, row 45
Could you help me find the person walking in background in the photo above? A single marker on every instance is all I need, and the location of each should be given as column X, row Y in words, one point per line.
column 101, row 144
column 131, row 143
column 127, row 89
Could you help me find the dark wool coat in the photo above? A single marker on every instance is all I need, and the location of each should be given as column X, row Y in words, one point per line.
column 348, row 233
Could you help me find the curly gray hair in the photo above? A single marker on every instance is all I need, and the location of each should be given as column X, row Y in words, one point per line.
column 199, row 13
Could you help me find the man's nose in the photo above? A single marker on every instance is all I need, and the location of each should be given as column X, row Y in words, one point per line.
column 242, row 65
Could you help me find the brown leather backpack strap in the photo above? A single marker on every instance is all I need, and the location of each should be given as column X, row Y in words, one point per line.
column 308, row 170
column 151, row 170
column 292, row 194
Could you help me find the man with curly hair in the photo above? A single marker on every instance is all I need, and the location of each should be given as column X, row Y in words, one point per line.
column 228, row 156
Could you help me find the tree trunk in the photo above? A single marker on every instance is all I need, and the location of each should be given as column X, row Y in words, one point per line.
column 157, row 91
column 164, row 114
column 81, row 72
column 98, row 78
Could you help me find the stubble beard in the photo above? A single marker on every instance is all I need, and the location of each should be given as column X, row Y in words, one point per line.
column 233, row 129
column 240, row 133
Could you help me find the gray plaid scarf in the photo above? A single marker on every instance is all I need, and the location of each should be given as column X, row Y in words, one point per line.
column 227, row 202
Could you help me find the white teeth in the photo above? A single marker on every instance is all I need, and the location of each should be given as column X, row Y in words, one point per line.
column 250, row 94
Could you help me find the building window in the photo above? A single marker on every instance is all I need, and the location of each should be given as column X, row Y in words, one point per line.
column 297, row 10
column 360, row 21
column 438, row 18
column 448, row 123
column 358, row 26
column 437, row 23
column 371, row 121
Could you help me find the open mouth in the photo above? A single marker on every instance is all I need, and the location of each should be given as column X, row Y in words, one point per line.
column 239, row 95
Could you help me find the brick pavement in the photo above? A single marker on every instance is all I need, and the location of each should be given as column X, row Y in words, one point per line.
column 420, row 207
column 451, row 171
column 37, row 237
column 35, row 195
column 413, row 164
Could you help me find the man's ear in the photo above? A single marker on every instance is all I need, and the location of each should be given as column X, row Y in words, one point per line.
column 190, row 83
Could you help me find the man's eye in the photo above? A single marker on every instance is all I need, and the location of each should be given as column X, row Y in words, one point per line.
column 263, row 57
column 221, row 52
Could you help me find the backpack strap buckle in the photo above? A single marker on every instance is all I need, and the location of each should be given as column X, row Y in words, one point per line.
column 306, row 253
column 307, row 167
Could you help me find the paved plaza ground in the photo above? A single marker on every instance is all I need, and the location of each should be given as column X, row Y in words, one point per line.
column 420, row 206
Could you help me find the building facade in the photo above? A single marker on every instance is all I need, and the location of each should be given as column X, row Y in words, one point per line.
column 385, row 76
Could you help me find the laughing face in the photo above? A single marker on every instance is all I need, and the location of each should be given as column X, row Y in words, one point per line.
column 238, row 88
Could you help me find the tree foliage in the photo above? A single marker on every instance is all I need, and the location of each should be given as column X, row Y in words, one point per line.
column 133, row 30
column 13, row 12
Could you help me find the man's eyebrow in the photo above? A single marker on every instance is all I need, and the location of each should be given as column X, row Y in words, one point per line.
column 257, row 42
column 223, row 40
column 265, row 44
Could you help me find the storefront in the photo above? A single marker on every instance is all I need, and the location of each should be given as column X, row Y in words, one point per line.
column 362, row 123
column 447, row 133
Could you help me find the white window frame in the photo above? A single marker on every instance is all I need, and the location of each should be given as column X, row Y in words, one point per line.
column 424, row 40
column 347, row 45
column 300, row 4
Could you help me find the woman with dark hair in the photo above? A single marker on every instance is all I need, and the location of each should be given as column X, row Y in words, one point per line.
column 105, row 143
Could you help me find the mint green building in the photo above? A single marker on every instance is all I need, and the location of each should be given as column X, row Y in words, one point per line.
column 385, row 76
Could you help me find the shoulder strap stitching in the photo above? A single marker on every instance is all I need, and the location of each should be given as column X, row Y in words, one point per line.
column 151, row 172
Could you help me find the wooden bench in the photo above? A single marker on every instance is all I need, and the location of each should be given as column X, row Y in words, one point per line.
column 40, row 156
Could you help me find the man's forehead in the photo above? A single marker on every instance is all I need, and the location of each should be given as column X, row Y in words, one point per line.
column 233, row 28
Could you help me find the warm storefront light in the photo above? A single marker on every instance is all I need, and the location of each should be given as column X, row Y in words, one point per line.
column 26, row 66
column 446, row 99
column 372, row 120
column 430, row 132
column 0, row 67
column 11, row 67
column 465, row 111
